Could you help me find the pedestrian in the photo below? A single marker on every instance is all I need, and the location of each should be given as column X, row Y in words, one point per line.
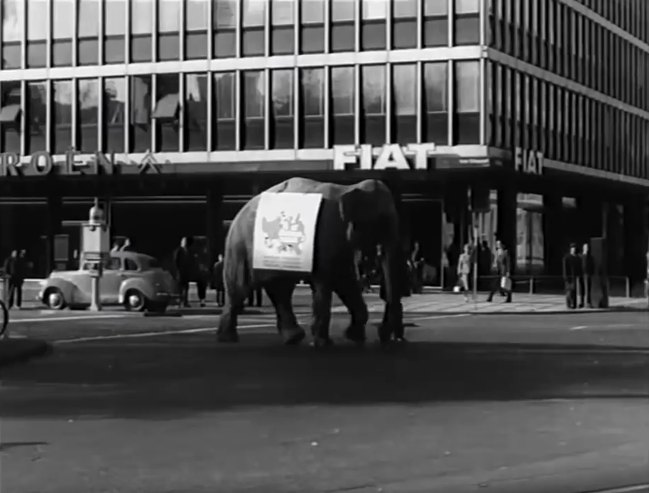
column 201, row 275
column 586, row 278
column 502, row 268
column 217, row 280
column 127, row 246
column 484, row 259
column 571, row 274
column 464, row 268
column 183, row 263
column 15, row 269
column 402, row 284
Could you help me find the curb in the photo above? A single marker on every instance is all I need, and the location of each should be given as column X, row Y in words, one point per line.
column 15, row 351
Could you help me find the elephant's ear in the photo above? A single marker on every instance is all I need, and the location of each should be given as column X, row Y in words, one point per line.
column 351, row 205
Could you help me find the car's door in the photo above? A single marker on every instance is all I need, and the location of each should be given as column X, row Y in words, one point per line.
column 111, row 280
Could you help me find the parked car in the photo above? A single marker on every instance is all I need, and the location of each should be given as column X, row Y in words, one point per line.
column 134, row 280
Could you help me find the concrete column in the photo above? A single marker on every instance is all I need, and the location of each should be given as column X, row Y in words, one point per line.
column 506, row 220
column 214, row 227
column 53, row 225
column 552, row 233
column 635, row 239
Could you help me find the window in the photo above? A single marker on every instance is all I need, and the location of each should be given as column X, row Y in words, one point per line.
column 467, row 87
column 282, row 21
column 342, row 25
column 141, row 29
column 253, row 21
column 373, row 125
column 404, row 24
column 169, row 29
column 282, row 105
column 140, row 121
column 114, row 30
column 436, row 102
column 87, row 107
column 166, row 112
column 312, row 98
column 404, row 84
column 62, row 32
column 196, row 20
column 88, row 32
column 224, row 111
column 10, row 125
column 129, row 264
column 373, row 14
column 224, row 27
column 435, row 23
column 62, row 115
column 312, row 26
column 196, row 112
column 114, row 107
column 36, row 34
column 36, row 117
column 253, row 101
column 343, row 89
column 467, row 22
column 13, row 19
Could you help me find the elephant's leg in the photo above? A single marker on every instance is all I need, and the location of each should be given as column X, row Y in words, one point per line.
column 281, row 294
column 236, row 292
column 352, row 297
column 321, row 314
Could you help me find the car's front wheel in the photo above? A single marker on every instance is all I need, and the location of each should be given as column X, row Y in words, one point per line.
column 54, row 299
column 134, row 300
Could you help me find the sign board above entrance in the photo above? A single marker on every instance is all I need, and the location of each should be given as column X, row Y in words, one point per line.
column 526, row 161
column 412, row 156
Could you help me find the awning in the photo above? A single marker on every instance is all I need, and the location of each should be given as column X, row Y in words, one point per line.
column 167, row 108
column 10, row 113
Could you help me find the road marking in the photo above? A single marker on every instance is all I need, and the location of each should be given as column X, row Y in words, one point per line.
column 625, row 489
column 437, row 317
column 66, row 319
column 152, row 334
column 606, row 326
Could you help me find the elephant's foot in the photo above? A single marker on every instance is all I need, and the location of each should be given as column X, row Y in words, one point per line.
column 355, row 334
column 227, row 336
column 293, row 336
column 322, row 342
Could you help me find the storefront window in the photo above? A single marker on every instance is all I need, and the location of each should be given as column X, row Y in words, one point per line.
column 114, row 108
column 312, row 26
column 13, row 21
column 342, row 105
column 169, row 29
column 529, row 234
column 196, row 112
column 467, row 102
column 404, row 24
column 88, row 32
column 10, row 129
column 253, row 104
column 224, row 110
column 196, row 21
column 253, row 21
column 62, row 32
column 140, row 120
column 404, row 84
column 225, row 20
column 435, row 22
column 312, row 118
column 373, row 109
column 141, row 29
column 62, row 115
column 36, row 118
column 343, row 13
column 282, row 25
column 373, row 14
column 36, row 33
column 87, row 107
column 436, row 103
column 114, row 30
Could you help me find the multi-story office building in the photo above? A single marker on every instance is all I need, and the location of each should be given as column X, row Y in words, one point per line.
column 175, row 112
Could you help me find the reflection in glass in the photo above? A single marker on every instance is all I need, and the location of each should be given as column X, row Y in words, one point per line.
column 467, row 102
column 436, row 103
column 404, row 84
column 88, row 110
column 342, row 107
column 62, row 115
column 467, row 6
column 312, row 118
column 168, row 29
column 196, row 21
column 404, row 24
column 467, row 22
column 253, row 103
column 196, row 112
column 282, row 106
column 114, row 108
column 141, row 29
column 342, row 25
column 36, row 33
column 435, row 22
column 13, row 18
column 373, row 9
column 253, row 17
column 224, row 28
column 140, row 121
column 404, row 8
column 62, row 32
column 10, row 132
column 254, row 12
column 36, row 117
column 312, row 16
column 373, row 13
column 167, row 138
column 114, row 30
column 342, row 10
column 282, row 22
column 224, row 130
column 373, row 116
column 88, row 32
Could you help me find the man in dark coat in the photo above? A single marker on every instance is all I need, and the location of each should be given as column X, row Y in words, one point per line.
column 586, row 278
column 16, row 270
column 217, row 280
column 502, row 268
column 402, row 283
column 184, row 264
column 571, row 274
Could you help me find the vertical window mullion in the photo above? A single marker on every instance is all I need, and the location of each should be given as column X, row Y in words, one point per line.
column 155, row 34
column 267, row 106
column 419, row 102
column 327, row 105
column 48, row 36
column 209, row 125
column 357, row 29
column 100, row 38
column 100, row 111
column 238, row 76
column 182, row 109
column 296, row 104
column 128, row 36
column 357, row 103
column 74, row 120
column 483, row 102
column 387, row 87
column 450, row 102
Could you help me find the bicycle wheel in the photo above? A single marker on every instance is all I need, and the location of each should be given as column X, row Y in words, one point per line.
column 4, row 318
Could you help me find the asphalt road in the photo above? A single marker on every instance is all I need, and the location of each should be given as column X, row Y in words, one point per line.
column 501, row 403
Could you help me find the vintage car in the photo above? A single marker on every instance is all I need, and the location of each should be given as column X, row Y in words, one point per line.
column 131, row 279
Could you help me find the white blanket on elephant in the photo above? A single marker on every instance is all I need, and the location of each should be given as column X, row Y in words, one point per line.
column 285, row 227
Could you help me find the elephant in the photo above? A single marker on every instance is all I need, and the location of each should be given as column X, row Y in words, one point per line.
column 350, row 218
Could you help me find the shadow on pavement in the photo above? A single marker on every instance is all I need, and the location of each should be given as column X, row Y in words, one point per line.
column 172, row 376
